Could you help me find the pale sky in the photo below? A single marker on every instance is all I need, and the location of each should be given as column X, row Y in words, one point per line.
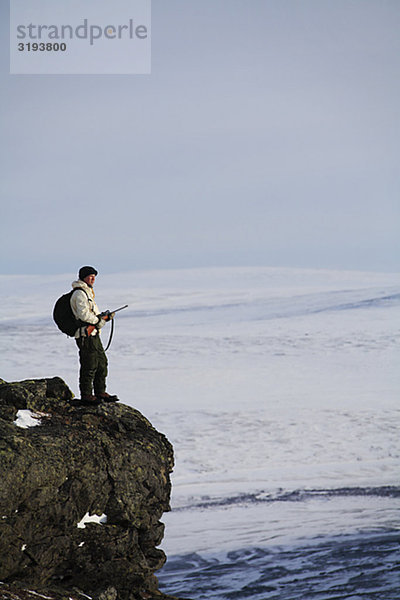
column 267, row 134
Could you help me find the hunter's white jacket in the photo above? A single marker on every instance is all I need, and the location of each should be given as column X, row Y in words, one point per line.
column 84, row 307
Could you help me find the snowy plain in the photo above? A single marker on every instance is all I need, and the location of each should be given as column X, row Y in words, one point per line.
column 279, row 389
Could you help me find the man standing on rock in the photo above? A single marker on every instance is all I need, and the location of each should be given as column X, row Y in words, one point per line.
column 93, row 359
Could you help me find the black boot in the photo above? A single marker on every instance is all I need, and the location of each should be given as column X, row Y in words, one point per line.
column 89, row 400
column 104, row 397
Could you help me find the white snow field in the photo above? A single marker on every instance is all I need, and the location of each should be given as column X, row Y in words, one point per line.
column 279, row 389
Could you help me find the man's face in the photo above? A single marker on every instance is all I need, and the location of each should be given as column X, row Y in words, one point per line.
column 90, row 279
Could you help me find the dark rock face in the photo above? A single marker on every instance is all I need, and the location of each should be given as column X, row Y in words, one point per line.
column 104, row 462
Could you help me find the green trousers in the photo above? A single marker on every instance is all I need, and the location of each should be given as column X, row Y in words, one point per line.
column 93, row 365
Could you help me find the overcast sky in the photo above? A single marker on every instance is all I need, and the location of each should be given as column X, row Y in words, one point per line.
column 266, row 134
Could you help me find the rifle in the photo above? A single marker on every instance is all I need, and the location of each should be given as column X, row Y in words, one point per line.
column 106, row 315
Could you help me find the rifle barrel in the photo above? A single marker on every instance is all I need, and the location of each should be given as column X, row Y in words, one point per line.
column 117, row 309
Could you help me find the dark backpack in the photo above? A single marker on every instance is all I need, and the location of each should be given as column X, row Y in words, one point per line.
column 64, row 317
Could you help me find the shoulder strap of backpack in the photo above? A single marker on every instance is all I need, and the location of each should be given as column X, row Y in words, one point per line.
column 80, row 290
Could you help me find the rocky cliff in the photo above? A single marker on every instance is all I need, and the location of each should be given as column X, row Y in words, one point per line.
column 81, row 495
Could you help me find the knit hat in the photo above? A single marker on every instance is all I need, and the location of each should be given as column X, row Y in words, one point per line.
column 85, row 271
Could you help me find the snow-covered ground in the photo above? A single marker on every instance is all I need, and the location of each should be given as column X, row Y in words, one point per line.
column 279, row 389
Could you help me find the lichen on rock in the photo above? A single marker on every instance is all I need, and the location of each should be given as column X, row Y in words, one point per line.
column 105, row 467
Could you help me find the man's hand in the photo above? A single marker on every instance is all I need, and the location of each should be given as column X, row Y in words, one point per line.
column 106, row 315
